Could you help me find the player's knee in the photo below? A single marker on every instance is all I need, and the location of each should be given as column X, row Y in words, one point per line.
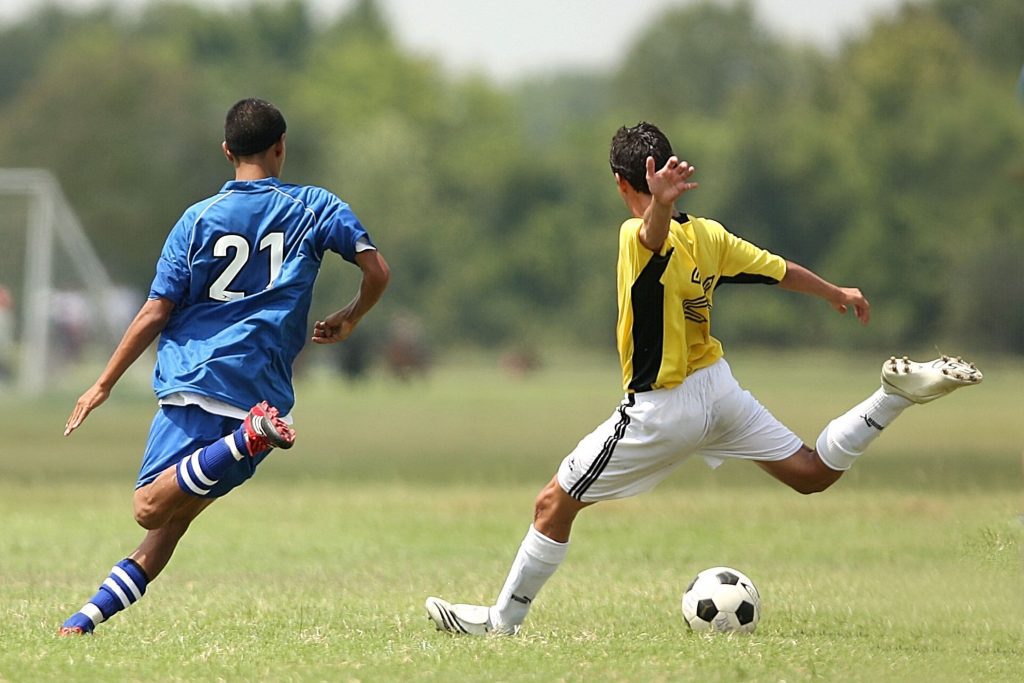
column 808, row 487
column 148, row 518
column 148, row 515
column 554, row 512
column 807, row 474
column 545, row 503
column 815, row 483
column 553, row 498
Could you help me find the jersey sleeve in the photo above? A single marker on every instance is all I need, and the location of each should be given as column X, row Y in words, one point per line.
column 173, row 274
column 342, row 233
column 742, row 261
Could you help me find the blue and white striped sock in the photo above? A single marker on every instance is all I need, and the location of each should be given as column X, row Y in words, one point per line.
column 125, row 585
column 199, row 473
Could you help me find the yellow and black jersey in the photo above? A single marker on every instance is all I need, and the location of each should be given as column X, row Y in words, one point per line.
column 664, row 326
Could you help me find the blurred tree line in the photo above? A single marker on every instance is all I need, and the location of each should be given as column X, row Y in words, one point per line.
column 895, row 164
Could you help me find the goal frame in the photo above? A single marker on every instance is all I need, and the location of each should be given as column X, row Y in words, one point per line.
column 52, row 224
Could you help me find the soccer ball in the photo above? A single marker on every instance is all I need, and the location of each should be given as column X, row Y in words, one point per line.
column 722, row 599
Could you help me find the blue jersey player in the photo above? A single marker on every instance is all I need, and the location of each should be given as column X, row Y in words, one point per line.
column 229, row 303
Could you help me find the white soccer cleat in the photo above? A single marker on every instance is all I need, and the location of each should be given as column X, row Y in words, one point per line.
column 924, row 382
column 472, row 620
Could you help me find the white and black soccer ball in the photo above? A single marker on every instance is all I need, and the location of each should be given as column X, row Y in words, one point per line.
column 722, row 599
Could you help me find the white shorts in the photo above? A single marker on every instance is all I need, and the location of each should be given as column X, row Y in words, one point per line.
column 652, row 433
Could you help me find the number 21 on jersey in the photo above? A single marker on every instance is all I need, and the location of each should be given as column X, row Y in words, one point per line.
column 238, row 250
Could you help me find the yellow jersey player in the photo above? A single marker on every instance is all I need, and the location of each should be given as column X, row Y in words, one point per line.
column 681, row 398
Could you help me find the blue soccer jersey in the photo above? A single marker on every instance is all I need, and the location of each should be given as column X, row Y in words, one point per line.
column 239, row 267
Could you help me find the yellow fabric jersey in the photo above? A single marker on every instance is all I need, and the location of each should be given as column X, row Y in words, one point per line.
column 664, row 325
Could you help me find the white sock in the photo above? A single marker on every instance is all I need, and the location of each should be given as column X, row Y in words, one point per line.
column 536, row 561
column 849, row 435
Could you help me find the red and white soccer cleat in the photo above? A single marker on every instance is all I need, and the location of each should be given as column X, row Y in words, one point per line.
column 71, row 631
column 265, row 430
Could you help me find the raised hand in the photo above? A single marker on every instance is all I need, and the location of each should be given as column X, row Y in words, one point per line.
column 671, row 181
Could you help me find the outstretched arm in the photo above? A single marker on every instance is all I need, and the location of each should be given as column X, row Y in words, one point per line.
column 800, row 279
column 339, row 325
column 666, row 186
column 149, row 322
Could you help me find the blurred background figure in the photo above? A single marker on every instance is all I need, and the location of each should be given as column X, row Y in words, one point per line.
column 520, row 360
column 354, row 357
column 70, row 312
column 6, row 334
column 407, row 352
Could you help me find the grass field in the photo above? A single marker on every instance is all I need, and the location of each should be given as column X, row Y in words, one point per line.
column 909, row 569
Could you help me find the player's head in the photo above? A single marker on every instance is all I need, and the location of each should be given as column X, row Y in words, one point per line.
column 252, row 126
column 630, row 149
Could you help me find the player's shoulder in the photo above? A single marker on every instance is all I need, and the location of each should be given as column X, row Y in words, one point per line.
column 703, row 230
column 191, row 215
column 311, row 195
column 631, row 225
column 629, row 234
column 700, row 223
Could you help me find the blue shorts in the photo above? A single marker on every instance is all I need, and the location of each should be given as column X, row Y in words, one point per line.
column 178, row 432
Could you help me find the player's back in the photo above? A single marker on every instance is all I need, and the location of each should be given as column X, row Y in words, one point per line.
column 240, row 267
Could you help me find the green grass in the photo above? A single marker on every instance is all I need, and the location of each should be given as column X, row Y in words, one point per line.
column 908, row 569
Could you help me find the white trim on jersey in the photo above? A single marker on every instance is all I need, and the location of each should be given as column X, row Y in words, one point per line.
column 362, row 244
column 297, row 241
column 192, row 236
column 210, row 405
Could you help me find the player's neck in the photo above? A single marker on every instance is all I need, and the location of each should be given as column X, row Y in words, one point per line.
column 637, row 203
column 246, row 171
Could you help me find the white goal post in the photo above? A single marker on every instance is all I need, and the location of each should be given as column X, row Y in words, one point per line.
column 52, row 224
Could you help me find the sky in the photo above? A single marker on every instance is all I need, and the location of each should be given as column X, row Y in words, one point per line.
column 508, row 39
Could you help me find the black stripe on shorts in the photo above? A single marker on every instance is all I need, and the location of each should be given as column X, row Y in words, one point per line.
column 603, row 458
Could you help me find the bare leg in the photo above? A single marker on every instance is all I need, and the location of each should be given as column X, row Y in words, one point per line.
column 554, row 512
column 159, row 543
column 803, row 471
column 166, row 513
column 156, row 503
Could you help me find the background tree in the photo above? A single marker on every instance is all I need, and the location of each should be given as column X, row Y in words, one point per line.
column 894, row 163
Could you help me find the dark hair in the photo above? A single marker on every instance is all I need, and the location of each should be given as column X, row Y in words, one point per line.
column 252, row 126
column 630, row 149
